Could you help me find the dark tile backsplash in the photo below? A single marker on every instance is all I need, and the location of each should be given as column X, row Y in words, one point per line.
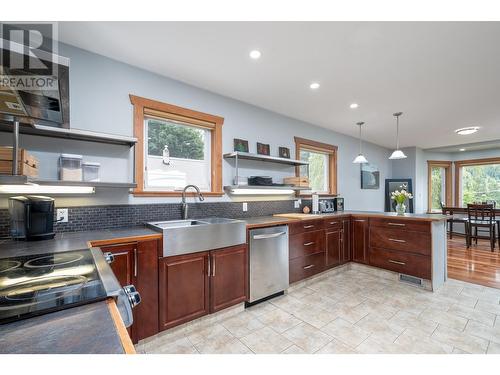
column 105, row 217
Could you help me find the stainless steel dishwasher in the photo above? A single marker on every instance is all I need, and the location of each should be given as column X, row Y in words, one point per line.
column 268, row 262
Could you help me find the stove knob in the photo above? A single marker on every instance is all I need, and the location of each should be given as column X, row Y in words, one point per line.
column 109, row 257
column 134, row 299
column 129, row 289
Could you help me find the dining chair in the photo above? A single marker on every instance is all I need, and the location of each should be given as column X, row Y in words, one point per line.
column 448, row 211
column 481, row 220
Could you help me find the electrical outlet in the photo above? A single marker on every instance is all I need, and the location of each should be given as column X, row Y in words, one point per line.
column 62, row 215
column 297, row 203
column 245, row 207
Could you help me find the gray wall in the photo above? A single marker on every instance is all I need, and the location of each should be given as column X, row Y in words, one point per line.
column 99, row 93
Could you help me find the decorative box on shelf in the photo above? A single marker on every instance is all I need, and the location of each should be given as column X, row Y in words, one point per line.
column 296, row 181
column 28, row 165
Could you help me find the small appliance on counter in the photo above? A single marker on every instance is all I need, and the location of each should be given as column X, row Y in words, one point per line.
column 37, row 284
column 331, row 205
column 31, row 217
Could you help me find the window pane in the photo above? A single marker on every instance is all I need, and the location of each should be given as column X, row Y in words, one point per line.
column 177, row 155
column 318, row 170
column 437, row 188
column 481, row 183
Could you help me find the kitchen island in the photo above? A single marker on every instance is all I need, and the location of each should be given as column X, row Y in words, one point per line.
column 413, row 246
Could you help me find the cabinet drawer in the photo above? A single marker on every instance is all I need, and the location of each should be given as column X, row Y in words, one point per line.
column 305, row 226
column 306, row 243
column 405, row 224
column 304, row 267
column 400, row 239
column 397, row 261
column 333, row 223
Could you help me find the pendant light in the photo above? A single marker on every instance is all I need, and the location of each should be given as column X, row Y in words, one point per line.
column 397, row 154
column 360, row 159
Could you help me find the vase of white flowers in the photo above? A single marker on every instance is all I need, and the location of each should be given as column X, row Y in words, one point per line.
column 400, row 197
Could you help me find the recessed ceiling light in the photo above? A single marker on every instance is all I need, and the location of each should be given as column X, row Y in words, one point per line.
column 354, row 106
column 467, row 131
column 255, row 54
column 314, row 85
column 462, row 149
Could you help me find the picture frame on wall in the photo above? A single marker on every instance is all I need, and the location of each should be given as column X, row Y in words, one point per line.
column 263, row 149
column 284, row 152
column 370, row 176
column 393, row 184
column 240, row 145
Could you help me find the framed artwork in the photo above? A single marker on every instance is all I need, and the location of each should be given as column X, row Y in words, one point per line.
column 284, row 152
column 370, row 176
column 263, row 149
column 240, row 145
column 393, row 184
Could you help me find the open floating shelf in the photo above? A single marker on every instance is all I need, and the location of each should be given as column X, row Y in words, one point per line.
column 257, row 157
column 21, row 180
column 74, row 134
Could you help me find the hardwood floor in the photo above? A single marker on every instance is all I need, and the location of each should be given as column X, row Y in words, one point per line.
column 476, row 265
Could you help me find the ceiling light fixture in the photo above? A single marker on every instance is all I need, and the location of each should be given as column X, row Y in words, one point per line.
column 360, row 159
column 255, row 54
column 467, row 131
column 354, row 106
column 397, row 154
column 314, row 85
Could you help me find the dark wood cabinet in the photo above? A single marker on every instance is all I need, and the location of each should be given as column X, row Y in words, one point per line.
column 346, row 241
column 334, row 247
column 197, row 284
column 229, row 277
column 184, row 288
column 137, row 263
column 359, row 240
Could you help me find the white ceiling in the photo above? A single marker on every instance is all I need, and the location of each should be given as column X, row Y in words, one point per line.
column 443, row 75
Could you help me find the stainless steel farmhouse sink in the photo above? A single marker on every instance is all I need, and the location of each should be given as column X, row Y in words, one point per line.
column 193, row 235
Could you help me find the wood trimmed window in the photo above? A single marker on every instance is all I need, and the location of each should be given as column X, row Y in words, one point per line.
column 146, row 110
column 438, row 185
column 322, row 168
column 478, row 195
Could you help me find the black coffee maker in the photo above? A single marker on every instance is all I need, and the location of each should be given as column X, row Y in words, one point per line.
column 31, row 217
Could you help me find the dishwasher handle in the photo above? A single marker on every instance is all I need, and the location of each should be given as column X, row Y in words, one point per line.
column 266, row 236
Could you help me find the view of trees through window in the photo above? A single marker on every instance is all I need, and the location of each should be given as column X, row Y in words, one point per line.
column 437, row 188
column 481, row 183
column 183, row 141
column 318, row 170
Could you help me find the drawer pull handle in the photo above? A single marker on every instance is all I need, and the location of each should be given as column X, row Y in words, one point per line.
column 308, row 226
column 397, row 224
column 266, row 236
column 396, row 240
column 334, row 222
column 309, row 243
column 397, row 262
column 309, row 266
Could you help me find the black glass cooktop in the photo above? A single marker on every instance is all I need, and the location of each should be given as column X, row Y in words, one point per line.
column 38, row 284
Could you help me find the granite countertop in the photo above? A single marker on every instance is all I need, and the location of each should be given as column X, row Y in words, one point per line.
column 87, row 329
column 71, row 241
column 425, row 217
column 266, row 221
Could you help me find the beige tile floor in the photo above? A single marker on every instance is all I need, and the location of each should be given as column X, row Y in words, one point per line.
column 359, row 310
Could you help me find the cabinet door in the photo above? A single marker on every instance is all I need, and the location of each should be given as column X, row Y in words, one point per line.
column 359, row 240
column 146, row 313
column 124, row 264
column 229, row 277
column 183, row 288
column 333, row 247
column 346, row 241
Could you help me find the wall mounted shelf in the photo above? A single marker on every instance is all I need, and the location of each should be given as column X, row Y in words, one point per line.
column 21, row 180
column 257, row 157
column 73, row 134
